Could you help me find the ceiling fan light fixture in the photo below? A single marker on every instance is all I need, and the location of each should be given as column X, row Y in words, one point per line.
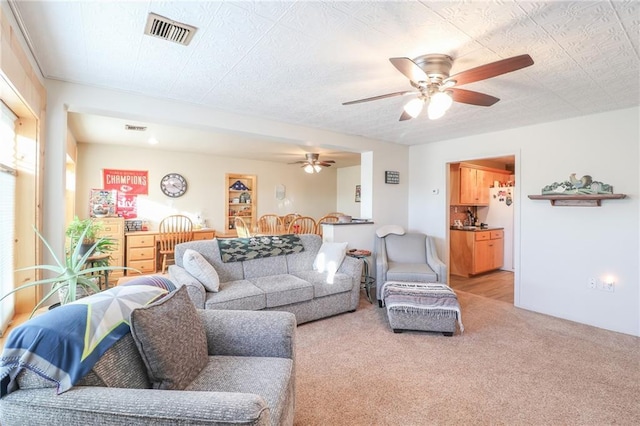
column 308, row 168
column 317, row 168
column 439, row 104
column 414, row 107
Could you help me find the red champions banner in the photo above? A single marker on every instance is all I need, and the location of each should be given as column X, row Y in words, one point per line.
column 129, row 182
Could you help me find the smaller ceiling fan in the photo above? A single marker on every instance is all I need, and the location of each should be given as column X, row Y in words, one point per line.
column 429, row 75
column 312, row 164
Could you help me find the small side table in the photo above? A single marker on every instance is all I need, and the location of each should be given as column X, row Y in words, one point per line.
column 367, row 281
column 103, row 275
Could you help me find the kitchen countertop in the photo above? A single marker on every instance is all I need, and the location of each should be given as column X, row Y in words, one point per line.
column 490, row 228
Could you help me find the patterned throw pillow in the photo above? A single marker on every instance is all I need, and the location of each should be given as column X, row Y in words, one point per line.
column 201, row 270
column 171, row 339
column 330, row 257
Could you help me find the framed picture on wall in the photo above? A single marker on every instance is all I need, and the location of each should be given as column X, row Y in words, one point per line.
column 357, row 193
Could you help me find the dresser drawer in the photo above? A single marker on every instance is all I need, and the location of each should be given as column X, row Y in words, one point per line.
column 208, row 235
column 141, row 253
column 497, row 234
column 142, row 266
column 141, row 241
column 482, row 236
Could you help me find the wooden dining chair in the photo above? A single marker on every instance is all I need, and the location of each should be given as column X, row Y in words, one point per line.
column 287, row 219
column 242, row 229
column 336, row 214
column 174, row 229
column 302, row 225
column 270, row 224
column 325, row 219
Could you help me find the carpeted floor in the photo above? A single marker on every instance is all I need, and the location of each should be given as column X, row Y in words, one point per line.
column 511, row 367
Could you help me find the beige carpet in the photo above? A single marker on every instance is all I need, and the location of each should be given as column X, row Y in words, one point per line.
column 510, row 366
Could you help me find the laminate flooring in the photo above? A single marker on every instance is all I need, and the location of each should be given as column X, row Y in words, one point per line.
column 497, row 285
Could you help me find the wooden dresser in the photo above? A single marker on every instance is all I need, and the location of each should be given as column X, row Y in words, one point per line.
column 113, row 228
column 142, row 249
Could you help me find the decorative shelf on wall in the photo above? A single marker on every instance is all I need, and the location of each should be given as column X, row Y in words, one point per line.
column 586, row 200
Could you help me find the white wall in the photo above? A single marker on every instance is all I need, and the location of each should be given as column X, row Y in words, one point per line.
column 63, row 97
column 556, row 248
column 307, row 194
column 348, row 178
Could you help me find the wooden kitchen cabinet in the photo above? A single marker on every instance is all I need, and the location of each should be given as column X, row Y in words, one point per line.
column 470, row 184
column 474, row 252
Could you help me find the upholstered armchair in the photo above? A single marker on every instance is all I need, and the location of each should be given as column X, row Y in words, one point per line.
column 408, row 257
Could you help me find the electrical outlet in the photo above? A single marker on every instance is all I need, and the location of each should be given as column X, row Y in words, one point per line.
column 592, row 283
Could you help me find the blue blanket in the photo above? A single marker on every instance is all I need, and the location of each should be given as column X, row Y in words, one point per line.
column 63, row 344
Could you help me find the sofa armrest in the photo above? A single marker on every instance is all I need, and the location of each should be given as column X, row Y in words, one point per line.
column 100, row 405
column 196, row 290
column 438, row 266
column 352, row 267
column 250, row 333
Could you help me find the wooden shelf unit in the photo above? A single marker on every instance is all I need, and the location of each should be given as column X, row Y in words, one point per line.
column 586, row 200
column 247, row 210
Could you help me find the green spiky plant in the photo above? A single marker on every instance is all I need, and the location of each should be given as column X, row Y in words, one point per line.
column 71, row 273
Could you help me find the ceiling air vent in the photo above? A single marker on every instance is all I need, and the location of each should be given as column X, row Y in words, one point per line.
column 135, row 128
column 161, row 27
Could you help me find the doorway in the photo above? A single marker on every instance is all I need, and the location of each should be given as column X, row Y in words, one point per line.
column 483, row 268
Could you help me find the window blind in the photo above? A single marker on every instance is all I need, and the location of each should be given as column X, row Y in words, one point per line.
column 7, row 213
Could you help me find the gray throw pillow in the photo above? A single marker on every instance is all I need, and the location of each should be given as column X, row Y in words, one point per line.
column 171, row 339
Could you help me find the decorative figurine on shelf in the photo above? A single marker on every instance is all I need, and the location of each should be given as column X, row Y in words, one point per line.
column 585, row 186
column 239, row 186
column 245, row 198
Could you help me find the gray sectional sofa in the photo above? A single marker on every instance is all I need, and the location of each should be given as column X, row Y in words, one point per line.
column 286, row 282
column 249, row 380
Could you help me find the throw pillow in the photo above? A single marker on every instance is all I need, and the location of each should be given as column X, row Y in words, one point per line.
column 171, row 339
column 330, row 257
column 201, row 270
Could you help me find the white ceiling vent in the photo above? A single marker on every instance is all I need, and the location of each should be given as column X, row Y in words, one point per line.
column 135, row 128
column 161, row 27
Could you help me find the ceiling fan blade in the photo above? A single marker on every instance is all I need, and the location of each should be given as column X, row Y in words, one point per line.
column 298, row 162
column 405, row 116
column 375, row 98
column 328, row 161
column 324, row 164
column 409, row 68
column 473, row 98
column 492, row 69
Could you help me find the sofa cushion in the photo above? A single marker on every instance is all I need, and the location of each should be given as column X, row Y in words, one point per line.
column 201, row 270
column 171, row 339
column 264, row 376
column 304, row 261
column 284, row 289
column 330, row 257
column 275, row 265
column 420, row 272
column 325, row 284
column 240, row 294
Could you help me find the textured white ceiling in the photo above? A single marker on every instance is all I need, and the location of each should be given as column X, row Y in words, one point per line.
column 297, row 61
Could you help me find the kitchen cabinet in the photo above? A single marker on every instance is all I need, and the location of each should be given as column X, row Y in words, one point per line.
column 113, row 229
column 470, row 183
column 241, row 200
column 474, row 252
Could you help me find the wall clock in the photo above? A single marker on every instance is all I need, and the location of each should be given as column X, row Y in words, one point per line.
column 173, row 185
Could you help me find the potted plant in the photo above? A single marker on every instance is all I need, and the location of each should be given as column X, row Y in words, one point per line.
column 79, row 227
column 73, row 279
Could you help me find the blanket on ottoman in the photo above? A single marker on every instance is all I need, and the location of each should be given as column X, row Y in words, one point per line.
column 428, row 299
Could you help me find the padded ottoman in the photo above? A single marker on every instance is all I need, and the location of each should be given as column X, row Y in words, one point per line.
column 422, row 307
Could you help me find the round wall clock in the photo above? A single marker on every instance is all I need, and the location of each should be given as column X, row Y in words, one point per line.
column 173, row 185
